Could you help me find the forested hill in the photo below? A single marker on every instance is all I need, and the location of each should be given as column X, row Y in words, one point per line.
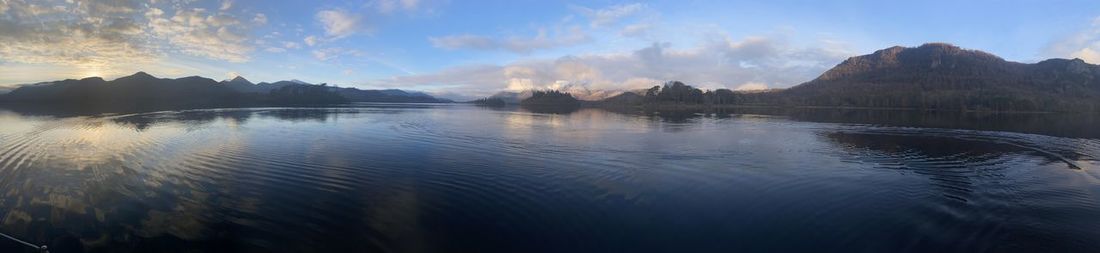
column 142, row 91
column 944, row 76
column 933, row 76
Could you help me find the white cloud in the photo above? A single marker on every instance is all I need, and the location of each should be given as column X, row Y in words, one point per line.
column 543, row 40
column 339, row 23
column 90, row 35
column 275, row 49
column 1088, row 54
column 194, row 32
column 747, row 63
column 610, row 15
column 310, row 40
column 1084, row 44
column 260, row 18
column 226, row 4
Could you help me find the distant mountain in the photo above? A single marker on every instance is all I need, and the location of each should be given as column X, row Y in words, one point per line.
column 490, row 102
column 403, row 93
column 142, row 91
column 240, row 84
column 626, row 98
column 239, row 80
column 511, row 97
column 944, row 76
column 352, row 94
column 581, row 92
column 391, row 95
column 577, row 91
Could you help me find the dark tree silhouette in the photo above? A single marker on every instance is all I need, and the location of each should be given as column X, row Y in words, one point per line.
column 550, row 98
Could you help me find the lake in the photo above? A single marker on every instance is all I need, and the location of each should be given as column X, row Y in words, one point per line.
column 461, row 178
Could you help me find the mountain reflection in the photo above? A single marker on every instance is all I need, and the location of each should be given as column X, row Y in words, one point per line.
column 236, row 116
column 1078, row 125
column 389, row 177
column 952, row 164
column 159, row 181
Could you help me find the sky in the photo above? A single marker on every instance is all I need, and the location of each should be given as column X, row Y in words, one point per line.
column 467, row 49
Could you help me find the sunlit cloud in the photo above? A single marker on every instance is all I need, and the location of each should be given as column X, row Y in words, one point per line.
column 200, row 33
column 339, row 23
column 1084, row 44
column 723, row 62
column 91, row 35
column 751, row 86
column 100, row 36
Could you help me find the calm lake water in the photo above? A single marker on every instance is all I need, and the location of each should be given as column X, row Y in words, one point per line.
column 460, row 178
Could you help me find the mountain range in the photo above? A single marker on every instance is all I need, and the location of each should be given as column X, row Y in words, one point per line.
column 933, row 76
column 143, row 90
column 240, row 84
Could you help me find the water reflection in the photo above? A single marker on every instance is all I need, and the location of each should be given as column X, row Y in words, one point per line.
column 142, row 121
column 951, row 164
column 391, row 177
column 1078, row 125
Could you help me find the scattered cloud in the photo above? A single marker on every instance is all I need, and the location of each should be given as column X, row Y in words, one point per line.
column 260, row 18
column 90, row 35
column 103, row 34
column 543, row 40
column 327, row 54
column 565, row 33
column 722, row 62
column 310, row 40
column 610, row 15
column 200, row 33
column 226, row 4
column 339, row 23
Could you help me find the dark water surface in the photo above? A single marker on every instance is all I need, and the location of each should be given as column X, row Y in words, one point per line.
column 459, row 178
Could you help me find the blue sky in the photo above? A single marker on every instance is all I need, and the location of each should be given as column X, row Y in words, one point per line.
column 464, row 49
